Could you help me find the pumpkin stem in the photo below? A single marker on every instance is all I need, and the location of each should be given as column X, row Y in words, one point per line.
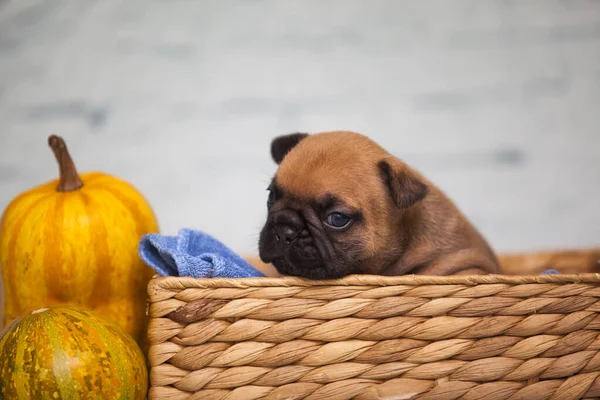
column 69, row 179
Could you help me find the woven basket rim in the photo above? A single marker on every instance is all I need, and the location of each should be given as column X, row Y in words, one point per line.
column 171, row 282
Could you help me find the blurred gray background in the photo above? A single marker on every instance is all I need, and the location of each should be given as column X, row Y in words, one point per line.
column 498, row 102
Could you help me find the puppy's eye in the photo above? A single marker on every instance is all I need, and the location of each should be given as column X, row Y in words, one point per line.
column 271, row 198
column 338, row 220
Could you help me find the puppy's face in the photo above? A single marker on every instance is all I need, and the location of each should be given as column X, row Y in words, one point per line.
column 335, row 205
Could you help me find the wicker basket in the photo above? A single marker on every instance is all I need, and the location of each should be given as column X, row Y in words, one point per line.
column 368, row 337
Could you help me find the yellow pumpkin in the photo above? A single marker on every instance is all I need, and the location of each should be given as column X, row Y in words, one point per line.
column 74, row 241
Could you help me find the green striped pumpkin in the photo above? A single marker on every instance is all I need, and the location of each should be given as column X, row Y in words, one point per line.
column 66, row 352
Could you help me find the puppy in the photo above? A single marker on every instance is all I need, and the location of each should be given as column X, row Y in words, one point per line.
column 339, row 204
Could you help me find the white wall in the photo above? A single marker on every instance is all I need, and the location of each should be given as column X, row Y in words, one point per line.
column 496, row 101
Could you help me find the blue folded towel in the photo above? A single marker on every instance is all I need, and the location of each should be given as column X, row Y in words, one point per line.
column 550, row 272
column 195, row 254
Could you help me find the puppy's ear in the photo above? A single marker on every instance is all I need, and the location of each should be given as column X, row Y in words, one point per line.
column 405, row 187
column 281, row 145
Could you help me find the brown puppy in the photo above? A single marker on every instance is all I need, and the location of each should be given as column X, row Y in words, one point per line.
column 339, row 204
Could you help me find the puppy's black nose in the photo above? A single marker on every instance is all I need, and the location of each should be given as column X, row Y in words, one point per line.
column 286, row 233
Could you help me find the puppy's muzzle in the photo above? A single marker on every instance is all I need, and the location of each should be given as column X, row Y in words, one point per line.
column 285, row 233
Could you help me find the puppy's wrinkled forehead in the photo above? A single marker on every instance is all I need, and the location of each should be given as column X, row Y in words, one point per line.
column 336, row 163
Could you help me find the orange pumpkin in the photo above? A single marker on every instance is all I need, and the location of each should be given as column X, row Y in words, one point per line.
column 69, row 353
column 74, row 241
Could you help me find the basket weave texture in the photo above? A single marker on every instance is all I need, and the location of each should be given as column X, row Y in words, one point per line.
column 369, row 337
